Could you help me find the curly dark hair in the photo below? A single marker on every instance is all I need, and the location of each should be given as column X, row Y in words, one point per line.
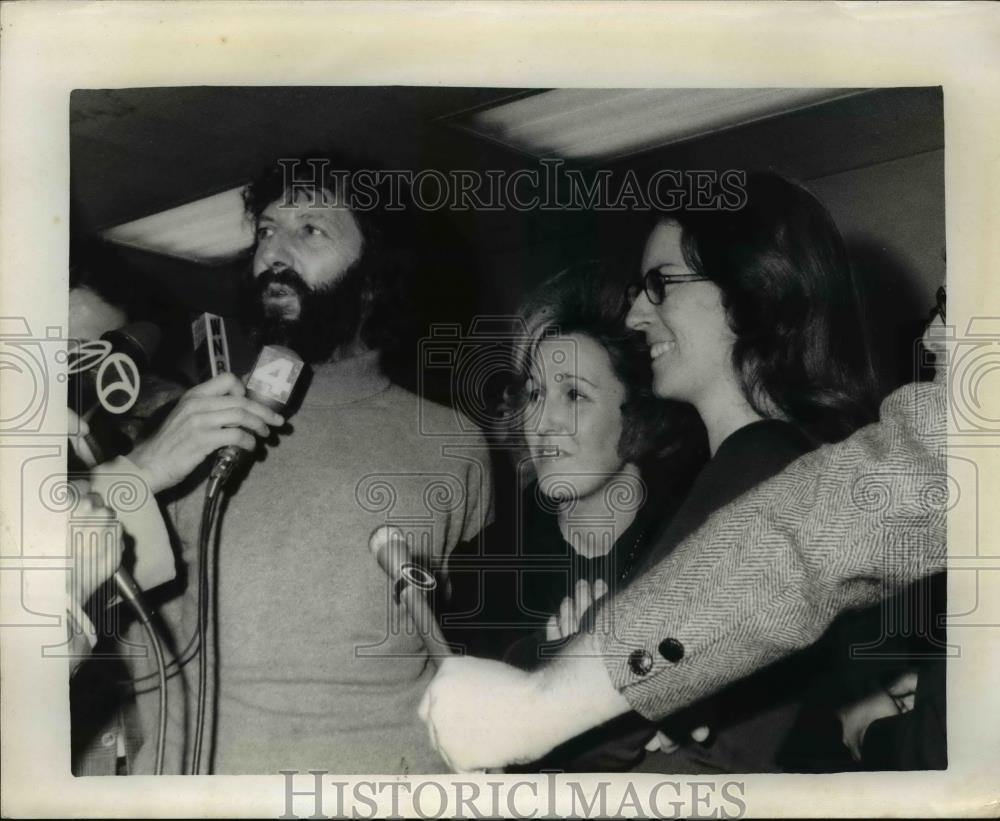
column 587, row 299
column 384, row 320
column 792, row 302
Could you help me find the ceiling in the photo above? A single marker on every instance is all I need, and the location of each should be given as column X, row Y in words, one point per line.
column 607, row 124
column 137, row 153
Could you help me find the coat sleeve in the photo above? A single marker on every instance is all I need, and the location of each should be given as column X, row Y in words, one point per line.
column 841, row 527
column 125, row 488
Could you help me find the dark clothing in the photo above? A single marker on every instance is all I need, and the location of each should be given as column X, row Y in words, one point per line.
column 746, row 458
column 782, row 719
column 544, row 589
column 750, row 722
column 505, row 588
column 916, row 740
column 748, row 728
column 863, row 651
column 823, row 533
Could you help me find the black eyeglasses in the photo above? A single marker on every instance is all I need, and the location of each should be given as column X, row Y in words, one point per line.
column 654, row 283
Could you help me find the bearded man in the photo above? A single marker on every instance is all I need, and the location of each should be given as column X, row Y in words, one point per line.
column 311, row 666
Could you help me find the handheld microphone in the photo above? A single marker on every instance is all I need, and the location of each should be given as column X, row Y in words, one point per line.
column 139, row 340
column 211, row 347
column 129, row 349
column 270, row 383
column 411, row 585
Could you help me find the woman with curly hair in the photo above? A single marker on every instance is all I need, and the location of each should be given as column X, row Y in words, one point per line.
column 601, row 461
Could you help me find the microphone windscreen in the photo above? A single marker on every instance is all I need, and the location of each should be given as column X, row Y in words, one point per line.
column 412, row 584
column 140, row 340
column 388, row 545
column 270, row 383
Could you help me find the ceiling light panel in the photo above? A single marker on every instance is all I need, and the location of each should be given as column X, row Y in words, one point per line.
column 210, row 230
column 601, row 124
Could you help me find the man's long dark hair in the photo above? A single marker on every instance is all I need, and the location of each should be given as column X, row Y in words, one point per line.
column 383, row 320
column 792, row 302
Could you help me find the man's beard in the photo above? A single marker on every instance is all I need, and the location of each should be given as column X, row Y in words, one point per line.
column 329, row 316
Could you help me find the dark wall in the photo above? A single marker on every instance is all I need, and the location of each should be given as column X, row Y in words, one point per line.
column 892, row 215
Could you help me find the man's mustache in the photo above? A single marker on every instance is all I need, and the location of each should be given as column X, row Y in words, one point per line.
column 286, row 276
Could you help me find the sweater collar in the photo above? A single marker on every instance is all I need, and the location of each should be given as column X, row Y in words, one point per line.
column 346, row 381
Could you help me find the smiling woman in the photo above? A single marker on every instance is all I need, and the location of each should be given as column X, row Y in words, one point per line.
column 753, row 317
column 751, row 322
column 755, row 313
column 605, row 462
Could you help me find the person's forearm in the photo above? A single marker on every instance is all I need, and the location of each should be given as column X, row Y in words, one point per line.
column 126, row 489
column 576, row 690
column 763, row 578
column 840, row 528
column 483, row 714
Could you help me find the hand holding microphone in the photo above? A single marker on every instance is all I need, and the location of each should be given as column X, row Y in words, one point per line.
column 210, row 416
column 221, row 413
column 269, row 386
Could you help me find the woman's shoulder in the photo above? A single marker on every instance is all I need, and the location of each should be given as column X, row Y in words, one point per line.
column 768, row 439
column 757, row 452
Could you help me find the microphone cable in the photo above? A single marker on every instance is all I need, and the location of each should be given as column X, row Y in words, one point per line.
column 129, row 591
column 197, row 645
column 173, row 667
column 270, row 383
column 210, row 511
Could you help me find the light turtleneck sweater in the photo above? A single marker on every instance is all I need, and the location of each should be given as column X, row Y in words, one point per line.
column 314, row 671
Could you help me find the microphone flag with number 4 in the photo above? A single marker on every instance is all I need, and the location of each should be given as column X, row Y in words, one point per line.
column 274, row 376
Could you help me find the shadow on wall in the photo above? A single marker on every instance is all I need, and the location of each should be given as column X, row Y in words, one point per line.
column 896, row 306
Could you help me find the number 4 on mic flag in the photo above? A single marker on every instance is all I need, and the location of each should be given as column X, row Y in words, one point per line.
column 274, row 376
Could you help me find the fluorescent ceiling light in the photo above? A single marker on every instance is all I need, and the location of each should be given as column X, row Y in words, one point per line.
column 209, row 230
column 601, row 124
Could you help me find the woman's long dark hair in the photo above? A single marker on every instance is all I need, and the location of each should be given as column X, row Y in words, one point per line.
column 792, row 302
column 587, row 299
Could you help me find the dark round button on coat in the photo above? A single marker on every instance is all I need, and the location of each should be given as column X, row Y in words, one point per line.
column 640, row 662
column 672, row 650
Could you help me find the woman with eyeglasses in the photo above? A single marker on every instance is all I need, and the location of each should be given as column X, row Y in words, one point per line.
column 753, row 317
column 600, row 460
column 606, row 459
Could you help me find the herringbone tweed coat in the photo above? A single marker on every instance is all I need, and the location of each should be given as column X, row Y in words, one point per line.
column 840, row 528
